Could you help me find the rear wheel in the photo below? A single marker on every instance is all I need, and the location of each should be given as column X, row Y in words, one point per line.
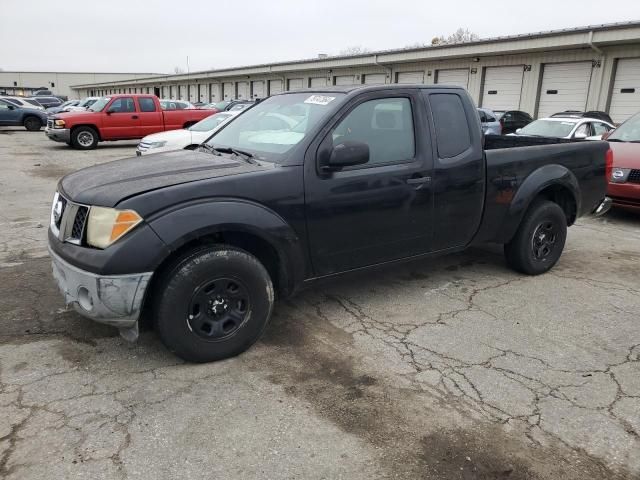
column 84, row 138
column 539, row 241
column 213, row 303
column 33, row 124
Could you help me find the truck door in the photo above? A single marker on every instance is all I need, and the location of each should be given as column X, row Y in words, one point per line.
column 458, row 174
column 121, row 120
column 9, row 114
column 381, row 210
column 150, row 116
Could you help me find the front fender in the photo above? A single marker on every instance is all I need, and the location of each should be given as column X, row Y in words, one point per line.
column 185, row 223
column 536, row 182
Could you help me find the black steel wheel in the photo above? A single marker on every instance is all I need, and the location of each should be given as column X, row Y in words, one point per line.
column 539, row 241
column 213, row 303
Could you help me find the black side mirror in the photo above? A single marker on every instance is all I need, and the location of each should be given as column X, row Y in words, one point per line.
column 347, row 154
column 11, row 107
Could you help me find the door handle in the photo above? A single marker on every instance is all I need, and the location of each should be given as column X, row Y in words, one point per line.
column 418, row 180
column 135, row 117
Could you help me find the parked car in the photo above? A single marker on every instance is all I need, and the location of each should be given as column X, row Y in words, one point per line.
column 84, row 104
column 226, row 105
column 591, row 114
column 187, row 138
column 23, row 102
column 624, row 182
column 512, row 120
column 43, row 92
column 61, row 108
column 118, row 117
column 12, row 115
column 358, row 177
column 47, row 102
column 489, row 122
column 176, row 105
column 567, row 127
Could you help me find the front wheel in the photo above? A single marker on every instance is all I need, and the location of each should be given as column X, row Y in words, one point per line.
column 539, row 241
column 213, row 303
column 84, row 138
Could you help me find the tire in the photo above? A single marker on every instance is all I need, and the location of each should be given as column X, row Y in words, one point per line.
column 213, row 303
column 32, row 124
column 539, row 241
column 84, row 138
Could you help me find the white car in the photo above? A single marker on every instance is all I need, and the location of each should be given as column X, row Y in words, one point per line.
column 23, row 102
column 188, row 138
column 566, row 127
column 84, row 104
column 170, row 104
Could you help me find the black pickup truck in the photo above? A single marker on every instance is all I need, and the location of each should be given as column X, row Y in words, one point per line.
column 304, row 186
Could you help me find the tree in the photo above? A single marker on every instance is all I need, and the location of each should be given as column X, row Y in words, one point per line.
column 459, row 36
column 178, row 70
column 355, row 50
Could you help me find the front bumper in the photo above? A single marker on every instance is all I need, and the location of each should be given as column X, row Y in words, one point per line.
column 58, row 134
column 625, row 195
column 111, row 299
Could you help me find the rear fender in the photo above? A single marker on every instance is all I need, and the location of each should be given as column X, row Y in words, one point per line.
column 536, row 182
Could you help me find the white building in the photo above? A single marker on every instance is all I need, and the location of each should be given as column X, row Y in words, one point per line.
column 59, row 83
column 586, row 68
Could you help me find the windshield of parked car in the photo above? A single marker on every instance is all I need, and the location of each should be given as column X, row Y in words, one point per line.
column 629, row 131
column 220, row 105
column 210, row 123
column 274, row 126
column 548, row 128
column 87, row 102
column 99, row 104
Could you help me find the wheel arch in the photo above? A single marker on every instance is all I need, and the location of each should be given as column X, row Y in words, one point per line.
column 91, row 125
column 553, row 182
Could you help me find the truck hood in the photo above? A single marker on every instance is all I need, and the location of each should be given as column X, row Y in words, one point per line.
column 108, row 184
column 625, row 155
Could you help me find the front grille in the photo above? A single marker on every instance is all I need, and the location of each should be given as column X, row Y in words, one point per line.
column 634, row 176
column 49, row 123
column 79, row 222
column 143, row 146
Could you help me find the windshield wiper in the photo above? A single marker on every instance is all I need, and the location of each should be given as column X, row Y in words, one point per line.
column 247, row 156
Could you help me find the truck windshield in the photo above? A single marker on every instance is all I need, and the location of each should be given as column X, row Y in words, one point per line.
column 548, row 128
column 629, row 131
column 99, row 104
column 274, row 126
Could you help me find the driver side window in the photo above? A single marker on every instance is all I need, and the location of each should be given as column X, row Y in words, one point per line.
column 385, row 125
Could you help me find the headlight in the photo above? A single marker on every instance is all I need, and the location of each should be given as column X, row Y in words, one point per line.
column 106, row 225
column 620, row 175
column 58, row 124
column 157, row 144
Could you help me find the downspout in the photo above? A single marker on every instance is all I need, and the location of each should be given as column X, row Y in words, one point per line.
column 602, row 55
column 375, row 61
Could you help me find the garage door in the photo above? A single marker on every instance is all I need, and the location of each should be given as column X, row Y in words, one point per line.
column 318, row 82
column 344, row 80
column 227, row 91
column 410, row 77
column 214, row 92
column 275, row 86
column 625, row 97
column 182, row 92
column 294, row 84
column 257, row 89
column 565, row 86
column 502, row 87
column 243, row 90
column 375, row 78
column 455, row 76
column 193, row 93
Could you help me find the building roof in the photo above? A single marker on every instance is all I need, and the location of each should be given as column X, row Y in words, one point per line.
column 621, row 32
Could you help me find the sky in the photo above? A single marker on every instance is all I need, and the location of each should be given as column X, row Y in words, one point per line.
column 158, row 36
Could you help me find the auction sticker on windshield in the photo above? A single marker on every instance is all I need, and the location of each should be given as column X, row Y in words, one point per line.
column 319, row 100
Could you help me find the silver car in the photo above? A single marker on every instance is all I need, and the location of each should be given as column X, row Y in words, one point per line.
column 490, row 123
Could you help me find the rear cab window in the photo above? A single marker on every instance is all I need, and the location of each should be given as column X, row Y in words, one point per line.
column 146, row 104
column 450, row 120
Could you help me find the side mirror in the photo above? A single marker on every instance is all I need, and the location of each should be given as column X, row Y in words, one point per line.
column 347, row 154
column 518, row 130
column 11, row 107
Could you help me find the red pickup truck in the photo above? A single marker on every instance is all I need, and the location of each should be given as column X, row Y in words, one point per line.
column 118, row 117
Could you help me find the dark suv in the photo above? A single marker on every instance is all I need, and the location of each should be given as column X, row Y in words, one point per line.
column 512, row 120
column 47, row 102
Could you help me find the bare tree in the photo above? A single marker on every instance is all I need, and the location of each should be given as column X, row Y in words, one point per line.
column 459, row 36
column 178, row 70
column 355, row 50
